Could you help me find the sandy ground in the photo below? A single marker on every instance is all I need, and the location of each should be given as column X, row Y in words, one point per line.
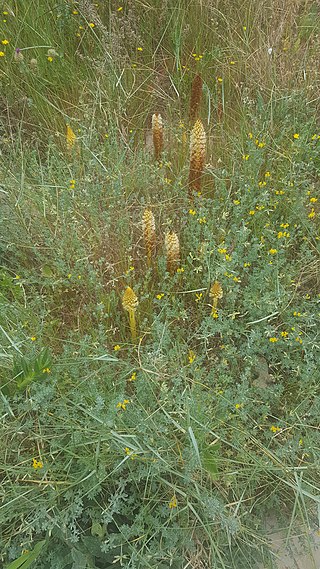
column 301, row 550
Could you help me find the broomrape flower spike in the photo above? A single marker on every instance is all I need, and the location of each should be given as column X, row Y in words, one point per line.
column 172, row 246
column 130, row 303
column 215, row 293
column 157, row 134
column 197, row 157
column 149, row 233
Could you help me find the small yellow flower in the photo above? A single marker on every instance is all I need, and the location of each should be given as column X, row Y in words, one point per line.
column 2, row 54
column 238, row 405
column 91, row 25
column 250, row 135
column 192, row 211
column 296, row 135
column 202, row 220
column 117, row 348
column 273, row 251
column 245, row 156
column 75, row 12
column 284, row 334
column 313, row 200
column 244, row 28
column 37, row 463
column 50, row 59
column 180, row 270
column 247, row 264
column 123, row 404
column 219, row 79
column 33, row 338
column 232, row 62
column 261, row 144
column 198, row 296
column 133, row 376
column 191, row 356
column 46, row 370
column 139, row 48
column 173, row 502
column 228, row 258
column 5, row 42
column 236, row 202
column 267, row 175
column 274, row 429
column 312, row 214
column 214, row 313
column 273, row 340
column 222, row 251
column 130, row 453
column 17, row 277
column 296, row 313
column 160, row 296
column 252, row 212
column 284, row 225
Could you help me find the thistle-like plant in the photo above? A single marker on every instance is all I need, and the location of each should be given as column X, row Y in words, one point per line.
column 195, row 99
column 172, row 246
column 197, row 156
column 157, row 134
column 149, row 233
column 215, row 293
column 130, row 303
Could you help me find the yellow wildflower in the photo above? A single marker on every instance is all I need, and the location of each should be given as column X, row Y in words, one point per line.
column 117, row 348
column 275, row 429
column 273, row 340
column 191, row 356
column 173, row 502
column 296, row 135
column 37, row 463
column 273, row 251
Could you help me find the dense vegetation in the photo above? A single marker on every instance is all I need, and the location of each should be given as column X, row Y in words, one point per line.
column 158, row 429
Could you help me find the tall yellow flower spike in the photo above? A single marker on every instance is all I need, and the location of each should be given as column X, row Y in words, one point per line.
column 215, row 293
column 130, row 303
column 157, row 134
column 71, row 138
column 149, row 233
column 197, row 156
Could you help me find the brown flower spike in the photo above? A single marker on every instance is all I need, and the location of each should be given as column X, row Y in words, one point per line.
column 149, row 233
column 197, row 156
column 130, row 303
column 215, row 293
column 173, row 251
column 157, row 134
column 195, row 99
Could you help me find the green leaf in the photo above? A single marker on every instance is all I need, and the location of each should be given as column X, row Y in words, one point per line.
column 26, row 559
column 209, row 460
